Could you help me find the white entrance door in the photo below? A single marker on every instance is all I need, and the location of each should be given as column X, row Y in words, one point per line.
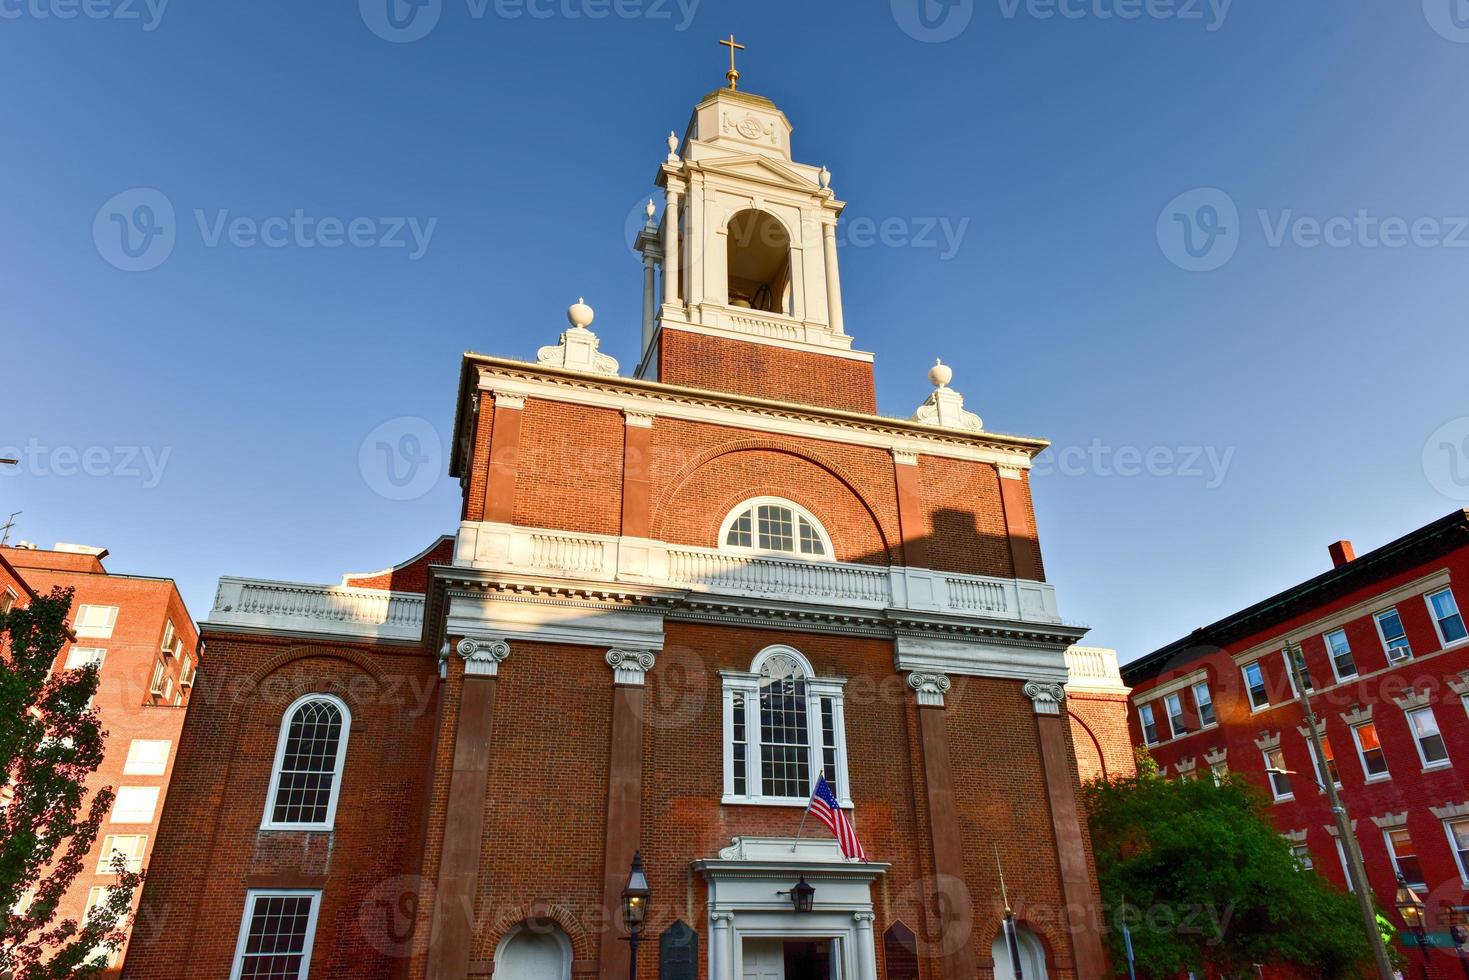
column 765, row 959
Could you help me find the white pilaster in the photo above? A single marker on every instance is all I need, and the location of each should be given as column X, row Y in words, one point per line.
column 721, row 948
column 833, row 278
column 866, row 950
column 649, row 298
column 671, row 291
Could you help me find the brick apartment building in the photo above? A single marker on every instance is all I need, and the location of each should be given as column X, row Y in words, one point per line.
column 139, row 632
column 672, row 601
column 1387, row 653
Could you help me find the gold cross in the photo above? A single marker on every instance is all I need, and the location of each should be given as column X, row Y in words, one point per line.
column 733, row 75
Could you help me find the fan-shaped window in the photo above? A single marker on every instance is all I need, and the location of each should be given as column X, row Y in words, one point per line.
column 783, row 726
column 309, row 755
column 772, row 525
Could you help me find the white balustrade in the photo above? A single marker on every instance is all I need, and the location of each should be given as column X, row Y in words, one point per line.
column 369, row 613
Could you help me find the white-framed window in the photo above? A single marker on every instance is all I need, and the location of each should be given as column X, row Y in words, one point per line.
column 155, row 683
column 1220, row 772
column 309, row 755
column 1394, row 638
column 7, row 600
column 1290, row 673
column 170, row 635
column 1341, row 855
column 1446, row 618
column 79, row 657
column 1343, row 664
column 1431, row 747
column 147, row 757
column 1302, row 854
column 186, row 671
column 1404, row 856
column 1369, row 750
column 277, row 930
column 1458, row 831
column 783, row 726
column 770, row 525
column 131, row 846
column 1173, row 703
column 1324, row 768
column 1280, row 786
column 135, row 804
column 94, row 622
column 1149, row 724
column 98, row 895
column 1255, row 685
column 1204, row 704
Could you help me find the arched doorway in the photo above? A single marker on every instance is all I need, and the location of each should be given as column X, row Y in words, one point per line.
column 1032, row 956
column 759, row 263
column 537, row 951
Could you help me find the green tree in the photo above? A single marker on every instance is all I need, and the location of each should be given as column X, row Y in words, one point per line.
column 1205, row 883
column 50, row 743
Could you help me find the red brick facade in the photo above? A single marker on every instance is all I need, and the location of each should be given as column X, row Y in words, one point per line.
column 1420, row 799
column 714, row 363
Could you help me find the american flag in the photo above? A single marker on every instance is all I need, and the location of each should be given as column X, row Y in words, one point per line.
column 826, row 809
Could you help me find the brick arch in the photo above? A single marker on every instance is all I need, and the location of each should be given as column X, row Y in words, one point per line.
column 1096, row 745
column 539, row 911
column 1045, row 934
column 709, row 486
column 260, row 678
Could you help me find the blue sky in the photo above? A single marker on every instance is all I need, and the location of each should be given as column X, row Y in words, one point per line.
column 1214, row 430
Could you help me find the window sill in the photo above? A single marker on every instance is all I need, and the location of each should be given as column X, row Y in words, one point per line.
column 297, row 828
column 1438, row 766
column 730, row 800
column 1384, row 778
column 1290, row 798
column 1463, row 642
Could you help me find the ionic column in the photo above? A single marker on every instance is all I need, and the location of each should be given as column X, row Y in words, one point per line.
column 721, row 946
column 833, row 278
column 464, row 817
column 624, row 796
column 1083, row 918
column 866, row 950
column 649, row 298
column 671, row 291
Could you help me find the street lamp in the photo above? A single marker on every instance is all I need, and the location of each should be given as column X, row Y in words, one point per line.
column 635, row 910
column 1412, row 909
column 803, row 896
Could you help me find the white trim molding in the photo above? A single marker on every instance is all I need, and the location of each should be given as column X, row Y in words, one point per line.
column 268, row 821
column 300, row 609
column 1359, row 715
column 1413, row 700
column 929, row 689
column 1268, row 742
column 309, row 938
column 630, row 666
column 1450, row 811
column 1391, row 821
column 1460, row 686
column 1215, row 756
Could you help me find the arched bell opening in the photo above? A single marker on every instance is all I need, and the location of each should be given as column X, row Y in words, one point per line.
column 759, row 263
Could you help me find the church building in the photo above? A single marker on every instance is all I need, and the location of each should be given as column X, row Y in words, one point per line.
column 680, row 595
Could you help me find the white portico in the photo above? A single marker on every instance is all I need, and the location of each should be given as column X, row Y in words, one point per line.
column 751, row 923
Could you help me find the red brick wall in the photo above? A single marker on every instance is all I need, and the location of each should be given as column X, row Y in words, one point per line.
column 1100, row 733
column 962, row 518
column 212, row 849
column 570, row 467
column 714, row 363
column 411, row 576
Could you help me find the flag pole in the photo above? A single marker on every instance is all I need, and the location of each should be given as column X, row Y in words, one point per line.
column 1012, row 939
column 802, row 827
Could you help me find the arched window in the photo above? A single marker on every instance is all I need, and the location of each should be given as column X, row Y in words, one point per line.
column 770, row 525
column 534, row 952
column 759, row 263
column 307, row 778
column 1032, row 955
column 782, row 727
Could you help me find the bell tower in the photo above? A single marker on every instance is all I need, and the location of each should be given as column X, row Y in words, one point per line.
column 751, row 297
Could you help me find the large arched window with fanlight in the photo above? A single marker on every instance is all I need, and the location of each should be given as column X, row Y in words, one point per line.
column 783, row 726
column 775, row 526
column 309, row 755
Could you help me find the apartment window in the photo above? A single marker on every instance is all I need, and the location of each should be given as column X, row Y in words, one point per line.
column 1341, row 855
column 1327, row 767
column 1302, row 854
column 768, row 524
column 135, row 804
column 98, row 896
column 131, row 847
column 147, row 757
column 1431, row 748
column 79, row 657
column 1174, row 704
column 276, row 933
column 7, row 601
column 1369, row 749
column 309, row 756
column 155, row 683
column 1255, row 684
column 1405, row 856
column 1220, row 770
column 782, row 726
column 1458, row 831
column 95, row 622
column 1290, row 673
column 1446, row 617
column 1280, row 786
column 1394, row 637
column 1204, row 703
column 1149, row 724
column 1340, row 650
column 169, row 635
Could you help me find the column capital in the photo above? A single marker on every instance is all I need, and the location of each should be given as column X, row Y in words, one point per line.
column 641, row 420
column 929, row 688
column 862, row 918
column 482, row 657
column 1045, row 696
column 630, row 666
column 721, row 920
column 503, row 400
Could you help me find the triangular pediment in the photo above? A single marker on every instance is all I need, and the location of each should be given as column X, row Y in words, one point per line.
column 756, row 167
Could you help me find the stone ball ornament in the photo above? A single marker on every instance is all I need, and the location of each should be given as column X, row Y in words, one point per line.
column 580, row 314
column 940, row 374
